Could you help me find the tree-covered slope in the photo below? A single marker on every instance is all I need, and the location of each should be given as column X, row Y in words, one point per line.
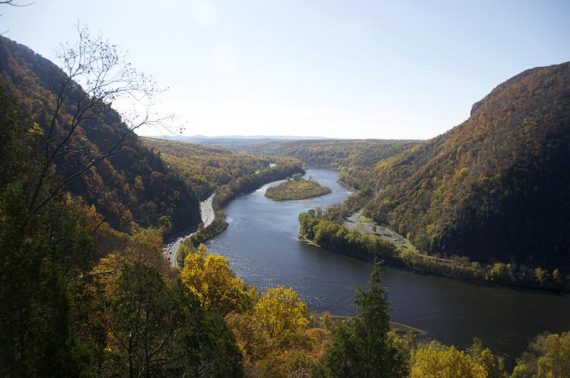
column 355, row 158
column 330, row 152
column 206, row 167
column 133, row 185
column 496, row 186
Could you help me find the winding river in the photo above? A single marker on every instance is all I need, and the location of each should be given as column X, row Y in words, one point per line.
column 261, row 242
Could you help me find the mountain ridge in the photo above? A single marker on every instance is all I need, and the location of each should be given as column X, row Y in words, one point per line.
column 454, row 193
column 131, row 187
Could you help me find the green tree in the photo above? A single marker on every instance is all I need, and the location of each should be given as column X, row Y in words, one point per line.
column 154, row 329
column 38, row 254
column 362, row 346
column 142, row 318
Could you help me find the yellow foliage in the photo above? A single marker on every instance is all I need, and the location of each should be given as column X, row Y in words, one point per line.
column 215, row 285
column 281, row 312
column 268, row 357
column 144, row 247
column 555, row 362
column 36, row 130
column 437, row 361
column 251, row 339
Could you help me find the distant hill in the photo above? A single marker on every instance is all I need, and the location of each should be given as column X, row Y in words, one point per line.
column 236, row 142
column 203, row 139
column 206, row 167
column 331, row 153
column 133, row 186
column 355, row 158
column 496, row 186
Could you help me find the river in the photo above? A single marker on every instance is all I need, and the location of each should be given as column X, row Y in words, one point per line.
column 261, row 242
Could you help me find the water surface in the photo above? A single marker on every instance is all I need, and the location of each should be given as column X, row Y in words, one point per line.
column 261, row 242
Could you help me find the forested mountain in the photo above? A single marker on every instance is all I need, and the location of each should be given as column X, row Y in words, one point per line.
column 206, row 167
column 333, row 153
column 354, row 158
column 209, row 168
column 496, row 186
column 133, row 185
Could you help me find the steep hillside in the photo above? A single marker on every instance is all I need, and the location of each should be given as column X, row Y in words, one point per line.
column 496, row 186
column 206, row 167
column 133, row 186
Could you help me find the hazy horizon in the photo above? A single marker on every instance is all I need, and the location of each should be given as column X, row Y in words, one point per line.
column 259, row 136
column 362, row 69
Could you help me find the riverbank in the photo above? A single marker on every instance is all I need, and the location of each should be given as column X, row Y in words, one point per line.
column 263, row 247
column 207, row 216
column 327, row 320
column 397, row 251
column 213, row 220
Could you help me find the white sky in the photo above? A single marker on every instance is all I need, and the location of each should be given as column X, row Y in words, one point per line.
column 354, row 69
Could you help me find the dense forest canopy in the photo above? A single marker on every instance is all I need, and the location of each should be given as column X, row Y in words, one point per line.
column 354, row 158
column 495, row 187
column 329, row 153
column 208, row 169
column 133, row 186
column 203, row 167
column 296, row 188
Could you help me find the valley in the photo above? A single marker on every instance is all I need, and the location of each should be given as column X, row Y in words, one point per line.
column 263, row 247
column 128, row 254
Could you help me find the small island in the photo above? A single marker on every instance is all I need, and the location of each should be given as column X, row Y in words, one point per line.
column 296, row 188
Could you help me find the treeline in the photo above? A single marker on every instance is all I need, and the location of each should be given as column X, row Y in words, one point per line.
column 337, row 238
column 205, row 168
column 201, row 236
column 355, row 159
column 330, row 153
column 319, row 227
column 284, row 167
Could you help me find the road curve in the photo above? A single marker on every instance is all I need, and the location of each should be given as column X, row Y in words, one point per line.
column 207, row 216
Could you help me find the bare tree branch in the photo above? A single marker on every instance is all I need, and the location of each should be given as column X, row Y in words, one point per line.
column 13, row 3
column 96, row 77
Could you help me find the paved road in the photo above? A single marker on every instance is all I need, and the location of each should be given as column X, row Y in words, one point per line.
column 207, row 211
column 207, row 215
